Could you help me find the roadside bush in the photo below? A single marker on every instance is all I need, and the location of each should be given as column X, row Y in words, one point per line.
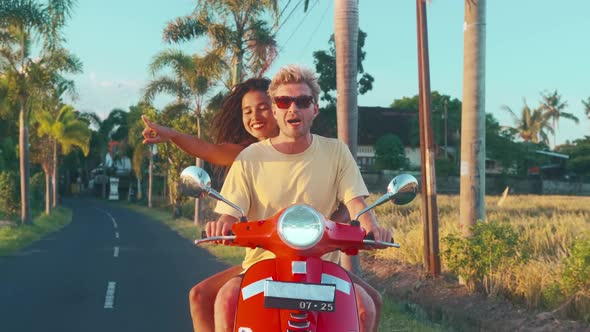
column 9, row 204
column 552, row 296
column 483, row 258
column 576, row 275
column 576, row 280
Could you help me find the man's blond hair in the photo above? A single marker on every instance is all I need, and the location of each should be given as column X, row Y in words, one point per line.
column 293, row 74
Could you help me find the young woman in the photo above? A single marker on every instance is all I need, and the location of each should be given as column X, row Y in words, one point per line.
column 248, row 102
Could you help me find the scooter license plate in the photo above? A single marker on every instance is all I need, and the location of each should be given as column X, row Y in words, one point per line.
column 298, row 296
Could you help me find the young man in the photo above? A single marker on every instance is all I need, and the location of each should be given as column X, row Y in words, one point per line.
column 293, row 167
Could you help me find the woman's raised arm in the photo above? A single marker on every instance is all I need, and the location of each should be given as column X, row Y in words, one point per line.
column 219, row 154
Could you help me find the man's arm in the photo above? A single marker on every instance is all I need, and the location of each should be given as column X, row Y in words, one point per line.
column 367, row 219
column 218, row 154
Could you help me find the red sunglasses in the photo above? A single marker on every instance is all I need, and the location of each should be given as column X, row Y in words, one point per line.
column 284, row 102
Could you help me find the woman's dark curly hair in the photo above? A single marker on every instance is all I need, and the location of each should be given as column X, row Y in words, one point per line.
column 227, row 123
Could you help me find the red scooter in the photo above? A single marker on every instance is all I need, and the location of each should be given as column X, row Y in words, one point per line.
column 297, row 290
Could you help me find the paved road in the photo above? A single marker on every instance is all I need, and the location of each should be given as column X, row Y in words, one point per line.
column 109, row 270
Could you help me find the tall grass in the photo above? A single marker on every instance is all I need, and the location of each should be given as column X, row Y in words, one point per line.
column 547, row 225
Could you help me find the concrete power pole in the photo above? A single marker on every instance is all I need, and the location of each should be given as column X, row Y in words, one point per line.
column 472, row 196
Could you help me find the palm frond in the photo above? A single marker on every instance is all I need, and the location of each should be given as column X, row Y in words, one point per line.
column 23, row 13
column 166, row 85
column 45, row 121
column 586, row 104
column 222, row 37
column 91, row 118
column 183, row 29
column 176, row 59
column 262, row 46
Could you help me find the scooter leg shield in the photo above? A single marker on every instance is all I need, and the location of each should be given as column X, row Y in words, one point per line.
column 345, row 316
column 252, row 316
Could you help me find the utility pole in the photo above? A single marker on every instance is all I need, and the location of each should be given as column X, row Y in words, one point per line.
column 427, row 151
column 446, row 121
column 472, row 195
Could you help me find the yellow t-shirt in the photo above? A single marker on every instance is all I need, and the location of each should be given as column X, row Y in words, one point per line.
column 262, row 181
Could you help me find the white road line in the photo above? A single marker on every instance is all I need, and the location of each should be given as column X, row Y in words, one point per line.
column 116, row 252
column 117, row 235
column 109, row 298
column 108, row 214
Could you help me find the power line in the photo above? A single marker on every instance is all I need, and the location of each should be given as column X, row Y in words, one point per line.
column 304, row 49
column 298, row 26
column 288, row 16
column 282, row 11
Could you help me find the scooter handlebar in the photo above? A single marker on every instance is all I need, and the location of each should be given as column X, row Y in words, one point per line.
column 379, row 243
column 370, row 241
column 216, row 238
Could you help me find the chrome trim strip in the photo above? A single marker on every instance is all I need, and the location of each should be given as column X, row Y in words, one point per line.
column 299, row 267
column 299, row 325
column 254, row 288
column 341, row 284
column 291, row 290
column 299, row 316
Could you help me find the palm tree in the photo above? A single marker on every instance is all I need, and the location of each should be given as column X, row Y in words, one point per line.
column 140, row 150
column 44, row 157
column 346, row 39
column 97, row 143
column 194, row 78
column 346, row 27
column 49, row 98
column 114, row 127
column 472, row 192
column 531, row 126
column 53, row 104
column 553, row 107
column 20, row 22
column 234, row 29
column 66, row 130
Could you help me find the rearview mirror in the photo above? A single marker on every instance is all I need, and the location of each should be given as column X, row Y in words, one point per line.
column 196, row 182
column 401, row 190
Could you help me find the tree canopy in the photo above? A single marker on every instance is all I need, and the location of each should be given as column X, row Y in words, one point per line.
column 390, row 153
column 325, row 65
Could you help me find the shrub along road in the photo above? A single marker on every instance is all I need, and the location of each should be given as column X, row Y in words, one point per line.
column 111, row 269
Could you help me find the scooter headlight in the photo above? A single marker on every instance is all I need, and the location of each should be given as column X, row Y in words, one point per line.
column 301, row 226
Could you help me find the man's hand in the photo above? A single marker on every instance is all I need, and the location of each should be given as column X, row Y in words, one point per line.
column 155, row 133
column 381, row 234
column 220, row 227
column 368, row 220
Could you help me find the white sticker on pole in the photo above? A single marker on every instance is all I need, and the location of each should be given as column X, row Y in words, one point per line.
column 464, row 168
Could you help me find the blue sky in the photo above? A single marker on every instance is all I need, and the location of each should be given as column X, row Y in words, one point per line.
column 531, row 46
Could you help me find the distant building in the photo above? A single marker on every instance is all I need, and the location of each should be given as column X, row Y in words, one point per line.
column 375, row 122
column 555, row 168
column 120, row 164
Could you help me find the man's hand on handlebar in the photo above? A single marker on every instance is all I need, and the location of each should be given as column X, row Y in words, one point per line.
column 220, row 227
column 378, row 233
